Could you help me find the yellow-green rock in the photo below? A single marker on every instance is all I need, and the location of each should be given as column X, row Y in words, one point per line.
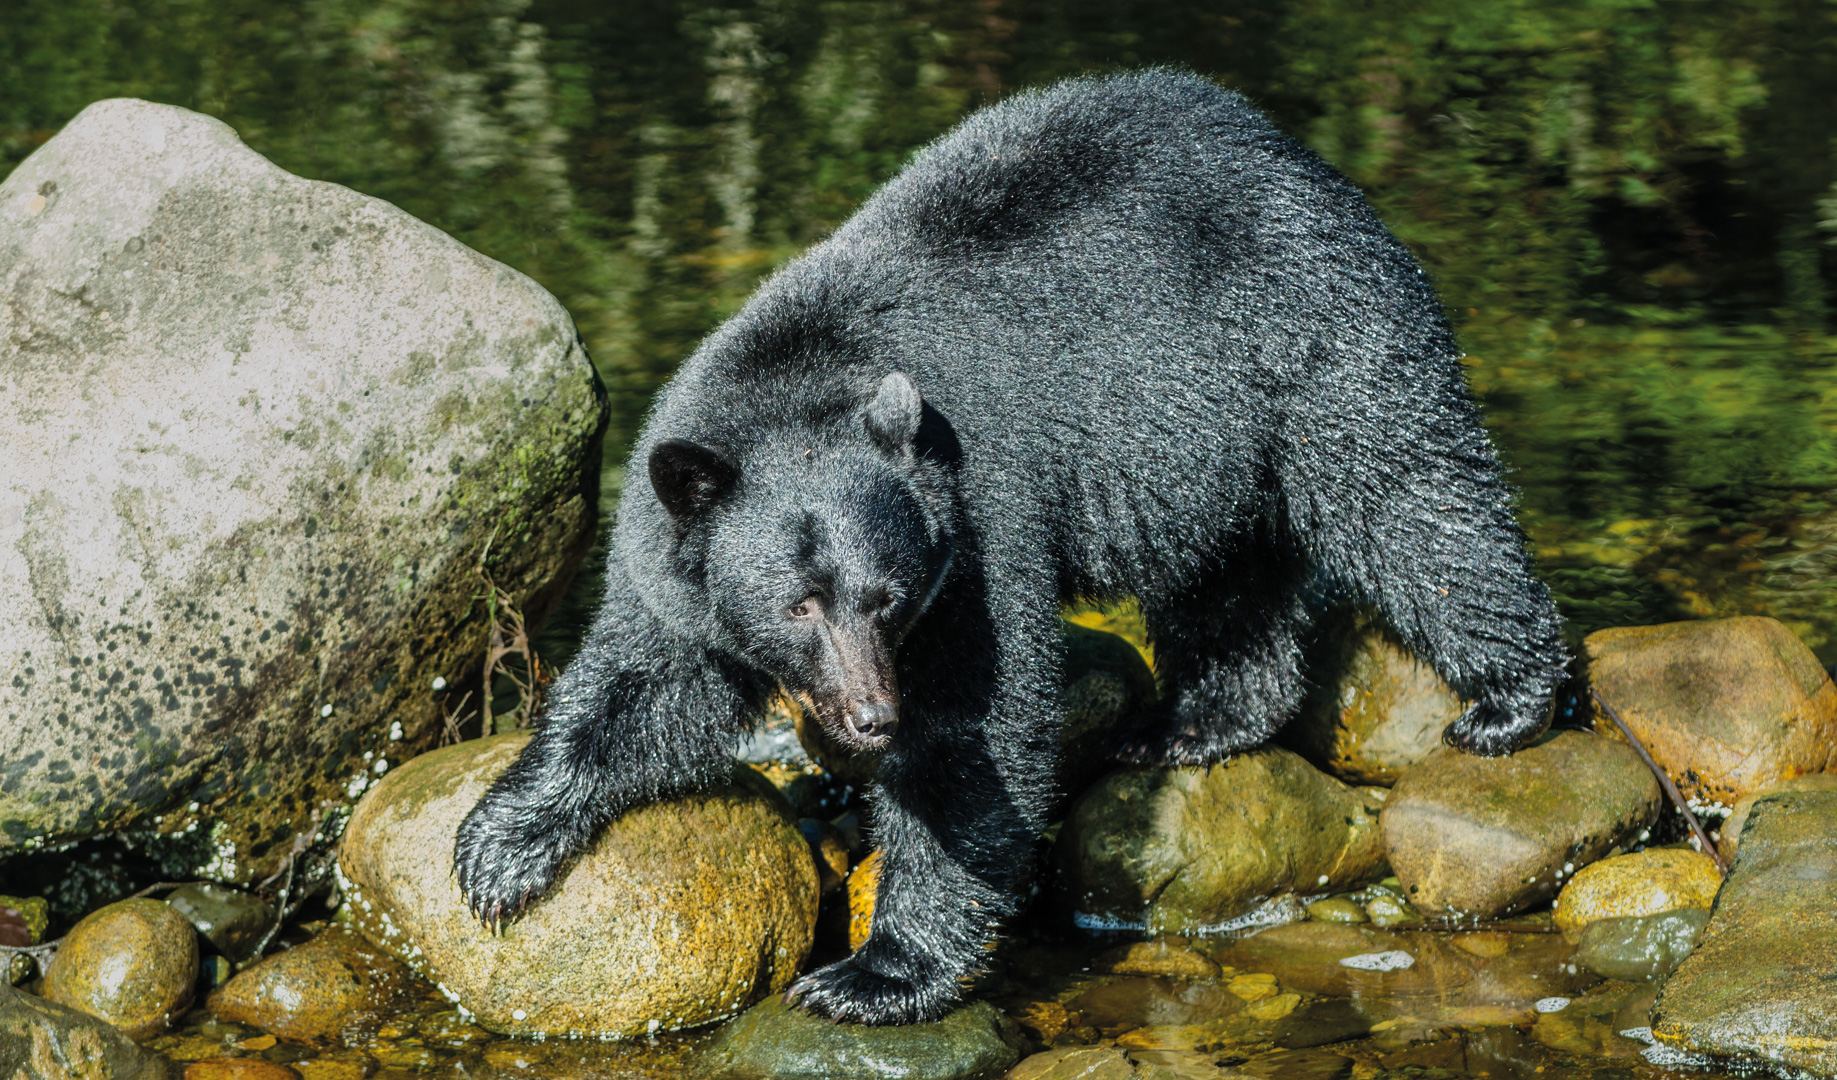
column 1758, row 985
column 1184, row 850
column 679, row 914
column 132, row 963
column 41, row 1040
column 1644, row 883
column 1730, row 841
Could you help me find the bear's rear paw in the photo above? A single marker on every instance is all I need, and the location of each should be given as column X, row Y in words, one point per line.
column 1489, row 730
column 850, row 993
column 503, row 869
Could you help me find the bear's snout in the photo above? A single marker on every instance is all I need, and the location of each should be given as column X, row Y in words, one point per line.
column 872, row 722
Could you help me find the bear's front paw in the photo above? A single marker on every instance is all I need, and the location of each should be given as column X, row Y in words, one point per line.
column 1489, row 730
column 1184, row 746
column 503, row 868
column 850, row 993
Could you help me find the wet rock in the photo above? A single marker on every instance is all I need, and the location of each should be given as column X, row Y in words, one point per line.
column 1590, row 1024
column 335, row 989
column 1374, row 709
column 774, row 1041
column 1387, row 910
column 1299, row 1065
column 1758, row 983
column 1726, row 706
column 1126, row 1004
column 1483, row 837
column 1336, row 909
column 133, row 963
column 1106, row 686
column 1116, row 1063
column 1730, row 840
column 42, row 1040
column 244, row 537
column 22, row 922
column 1186, row 850
column 233, row 921
column 1643, row 883
column 348, row 1065
column 1169, row 956
column 863, row 886
column 238, row 1068
column 1640, row 946
column 681, row 913
column 829, row 850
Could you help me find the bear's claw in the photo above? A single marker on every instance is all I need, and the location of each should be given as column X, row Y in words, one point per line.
column 848, row 993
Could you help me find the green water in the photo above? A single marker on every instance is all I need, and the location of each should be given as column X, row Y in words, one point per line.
column 1630, row 206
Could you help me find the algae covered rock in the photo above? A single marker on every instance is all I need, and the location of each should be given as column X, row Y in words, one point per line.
column 1635, row 947
column 1481, row 837
column 1759, row 983
column 42, row 1040
column 1729, row 841
column 680, row 913
column 336, row 989
column 133, row 963
column 1726, row 706
column 775, row 1041
column 1374, row 710
column 1644, row 883
column 261, row 431
column 1182, row 850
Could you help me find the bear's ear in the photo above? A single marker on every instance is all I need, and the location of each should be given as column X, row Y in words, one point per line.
column 893, row 416
column 688, row 476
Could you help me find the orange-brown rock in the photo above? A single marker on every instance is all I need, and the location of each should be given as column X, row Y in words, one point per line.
column 227, row 1068
column 335, row 989
column 863, row 886
column 133, row 963
column 1726, row 706
column 680, row 913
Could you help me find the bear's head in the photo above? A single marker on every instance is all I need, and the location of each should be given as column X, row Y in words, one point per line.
column 816, row 553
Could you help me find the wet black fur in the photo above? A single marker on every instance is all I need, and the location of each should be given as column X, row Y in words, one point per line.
column 1164, row 351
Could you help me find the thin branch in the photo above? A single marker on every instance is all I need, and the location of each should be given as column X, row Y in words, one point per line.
column 1664, row 779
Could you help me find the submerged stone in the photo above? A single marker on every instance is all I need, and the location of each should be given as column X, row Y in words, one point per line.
column 776, row 1041
column 1758, row 984
column 1640, row 946
column 1186, row 850
column 133, row 963
column 1726, row 706
column 679, row 914
column 1481, row 837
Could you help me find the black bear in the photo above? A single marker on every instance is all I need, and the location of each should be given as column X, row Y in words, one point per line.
column 1117, row 337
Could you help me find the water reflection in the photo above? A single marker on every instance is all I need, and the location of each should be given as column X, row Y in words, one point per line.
column 1630, row 208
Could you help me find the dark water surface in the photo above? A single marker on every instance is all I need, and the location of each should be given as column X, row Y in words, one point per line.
column 1629, row 205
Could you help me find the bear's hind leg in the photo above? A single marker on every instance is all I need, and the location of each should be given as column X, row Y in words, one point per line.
column 1229, row 661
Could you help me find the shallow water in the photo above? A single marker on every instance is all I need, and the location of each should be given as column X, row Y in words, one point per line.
column 1629, row 208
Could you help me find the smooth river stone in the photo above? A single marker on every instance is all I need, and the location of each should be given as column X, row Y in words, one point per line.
column 1483, row 837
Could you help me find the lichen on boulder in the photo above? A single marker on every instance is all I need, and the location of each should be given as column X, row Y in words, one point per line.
column 680, row 913
column 261, row 432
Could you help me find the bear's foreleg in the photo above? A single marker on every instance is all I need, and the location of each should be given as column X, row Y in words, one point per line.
column 636, row 718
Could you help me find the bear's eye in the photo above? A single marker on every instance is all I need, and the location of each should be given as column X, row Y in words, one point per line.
column 807, row 608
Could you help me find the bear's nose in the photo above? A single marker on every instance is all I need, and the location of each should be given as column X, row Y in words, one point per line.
column 874, row 720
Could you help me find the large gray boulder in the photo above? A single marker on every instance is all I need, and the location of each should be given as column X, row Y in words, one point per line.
column 259, row 432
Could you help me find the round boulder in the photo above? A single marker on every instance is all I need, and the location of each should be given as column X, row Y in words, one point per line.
column 1181, row 851
column 1643, row 883
column 132, row 963
column 776, row 1041
column 680, row 913
column 335, row 989
column 261, row 433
